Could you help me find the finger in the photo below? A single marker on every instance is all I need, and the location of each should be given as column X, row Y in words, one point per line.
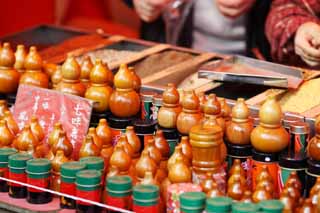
column 303, row 54
column 311, row 63
column 305, row 45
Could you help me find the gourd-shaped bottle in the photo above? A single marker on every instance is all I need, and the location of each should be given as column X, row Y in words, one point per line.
column 63, row 144
column 9, row 76
column 86, row 67
column 56, row 163
column 212, row 108
column 206, row 184
column 6, row 136
column 267, row 185
column 36, row 129
column 149, row 179
column 106, row 153
column 70, row 83
column 287, row 201
column 154, row 152
column 136, row 79
column 96, row 139
column 170, row 109
column 123, row 141
column 49, row 68
column 190, row 115
column 214, row 191
column 88, row 148
column 144, row 164
column 225, row 111
column 113, row 171
column 99, row 90
column 261, row 194
column 124, row 101
column 263, row 174
column 202, row 100
column 54, row 135
column 206, row 141
column 134, row 141
column 247, row 197
column 12, row 124
column 34, row 75
column 186, row 147
column 3, row 107
column 293, row 180
column 161, row 143
column 26, row 141
column 20, row 56
column 176, row 154
column 180, row 172
column 236, row 165
column 313, row 148
column 56, row 77
column 235, row 188
column 239, row 130
column 104, row 132
column 121, row 160
column 308, row 206
column 293, row 192
column 269, row 136
column 237, row 174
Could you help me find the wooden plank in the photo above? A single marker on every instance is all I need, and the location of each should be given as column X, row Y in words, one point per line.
column 259, row 99
column 140, row 55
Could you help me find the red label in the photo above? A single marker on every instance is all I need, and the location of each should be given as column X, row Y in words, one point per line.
column 43, row 183
column 89, row 195
column 17, row 177
column 4, row 172
column 68, row 188
column 143, row 209
column 120, row 202
column 50, row 107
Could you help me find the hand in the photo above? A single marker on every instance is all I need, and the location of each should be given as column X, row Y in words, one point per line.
column 149, row 10
column 234, row 8
column 307, row 43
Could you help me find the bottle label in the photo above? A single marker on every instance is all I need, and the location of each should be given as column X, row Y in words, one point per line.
column 146, row 112
column 273, row 171
column 68, row 188
column 116, row 135
column 154, row 112
column 300, row 142
column 89, row 195
column 120, row 202
column 144, row 209
column 284, row 173
column 42, row 182
column 246, row 164
column 22, row 177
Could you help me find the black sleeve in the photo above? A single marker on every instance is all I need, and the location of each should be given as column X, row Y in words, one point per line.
column 128, row 2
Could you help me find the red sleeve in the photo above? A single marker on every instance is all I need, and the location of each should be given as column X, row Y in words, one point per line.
column 283, row 20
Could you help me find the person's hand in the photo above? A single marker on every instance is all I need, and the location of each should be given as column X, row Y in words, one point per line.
column 307, row 43
column 234, row 8
column 149, row 10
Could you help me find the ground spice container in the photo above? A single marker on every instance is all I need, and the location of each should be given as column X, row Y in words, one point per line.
column 244, row 154
column 146, row 199
column 156, row 104
column 17, row 172
column 313, row 172
column 96, row 163
column 146, row 105
column 68, row 185
column 192, row 202
column 118, row 126
column 299, row 136
column 292, row 163
column 4, row 169
column 271, row 206
column 88, row 187
column 259, row 159
column 218, row 205
column 172, row 137
column 244, row 208
column 118, row 192
column 145, row 130
column 38, row 174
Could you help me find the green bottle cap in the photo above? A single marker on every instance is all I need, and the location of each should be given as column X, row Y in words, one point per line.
column 119, row 185
column 145, row 192
column 218, row 204
column 70, row 169
column 38, row 168
column 271, row 206
column 96, row 163
column 88, row 178
column 192, row 200
column 245, row 208
column 5, row 153
column 18, row 161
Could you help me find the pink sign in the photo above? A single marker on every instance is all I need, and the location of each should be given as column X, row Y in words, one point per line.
column 51, row 106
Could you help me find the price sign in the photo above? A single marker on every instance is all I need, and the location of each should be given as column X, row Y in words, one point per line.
column 50, row 107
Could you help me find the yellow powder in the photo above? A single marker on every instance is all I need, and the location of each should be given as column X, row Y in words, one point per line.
column 303, row 99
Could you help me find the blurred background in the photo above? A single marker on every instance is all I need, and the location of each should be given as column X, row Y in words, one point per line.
column 112, row 16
